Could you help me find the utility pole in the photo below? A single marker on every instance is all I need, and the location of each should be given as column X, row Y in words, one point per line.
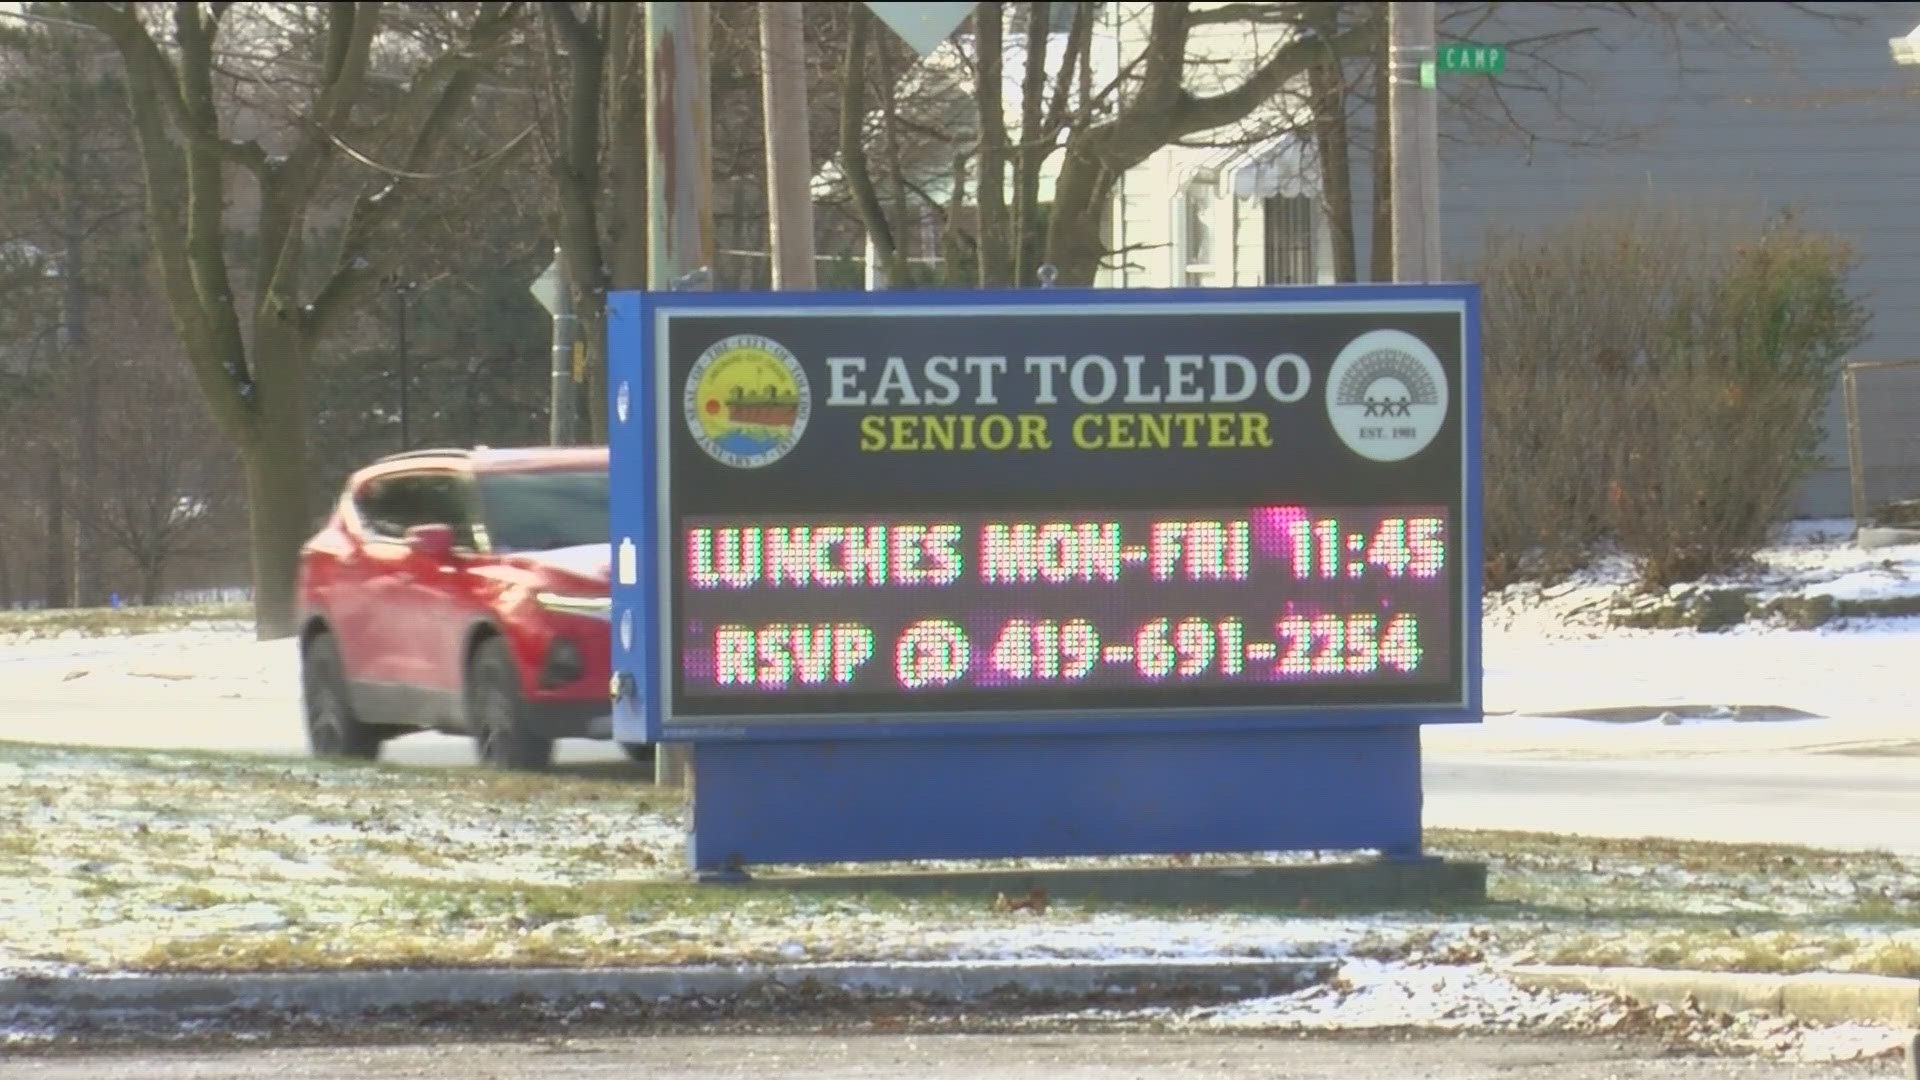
column 679, row 145
column 1414, row 105
column 75, row 353
column 563, row 399
column 679, row 196
column 403, row 289
column 783, row 89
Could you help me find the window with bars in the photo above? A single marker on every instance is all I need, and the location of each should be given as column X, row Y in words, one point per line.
column 1289, row 241
column 1198, row 265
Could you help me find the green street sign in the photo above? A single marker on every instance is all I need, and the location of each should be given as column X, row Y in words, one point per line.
column 1461, row 56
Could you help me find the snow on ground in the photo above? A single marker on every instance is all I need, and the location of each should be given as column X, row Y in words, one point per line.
column 221, row 690
column 312, row 867
column 1548, row 649
column 1372, row 995
column 1811, row 558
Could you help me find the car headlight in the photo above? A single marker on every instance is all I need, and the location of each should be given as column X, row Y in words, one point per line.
column 601, row 606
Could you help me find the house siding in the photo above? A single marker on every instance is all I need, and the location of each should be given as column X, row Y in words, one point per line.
column 1824, row 122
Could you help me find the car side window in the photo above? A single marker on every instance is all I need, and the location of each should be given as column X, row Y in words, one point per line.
column 379, row 505
column 391, row 505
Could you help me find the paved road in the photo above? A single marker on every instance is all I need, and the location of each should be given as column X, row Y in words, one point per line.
column 244, row 725
column 945, row 1057
column 1818, row 800
column 1849, row 801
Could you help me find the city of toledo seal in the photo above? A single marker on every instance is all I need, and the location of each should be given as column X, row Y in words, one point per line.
column 747, row 401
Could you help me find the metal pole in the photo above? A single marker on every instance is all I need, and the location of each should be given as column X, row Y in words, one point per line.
column 680, row 197
column 783, row 89
column 563, row 399
column 1856, row 453
column 1415, row 153
column 400, row 291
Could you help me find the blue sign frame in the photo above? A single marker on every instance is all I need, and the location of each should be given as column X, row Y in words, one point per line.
column 639, row 600
column 983, row 787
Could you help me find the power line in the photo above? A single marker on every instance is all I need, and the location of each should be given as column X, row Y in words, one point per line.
column 257, row 58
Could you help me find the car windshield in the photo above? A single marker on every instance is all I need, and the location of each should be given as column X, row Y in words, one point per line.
column 544, row 510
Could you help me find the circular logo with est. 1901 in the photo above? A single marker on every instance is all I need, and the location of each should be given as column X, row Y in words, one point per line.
column 1387, row 395
column 747, row 401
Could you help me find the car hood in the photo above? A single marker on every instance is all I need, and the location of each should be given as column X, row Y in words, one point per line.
column 590, row 562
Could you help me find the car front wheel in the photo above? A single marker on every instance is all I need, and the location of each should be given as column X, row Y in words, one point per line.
column 497, row 713
column 333, row 731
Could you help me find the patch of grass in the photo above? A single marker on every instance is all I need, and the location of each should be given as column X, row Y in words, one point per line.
column 101, row 887
column 430, row 856
column 539, row 904
column 178, row 783
column 613, row 785
column 255, row 952
column 1784, row 952
column 1900, row 959
column 240, row 952
column 192, row 898
column 445, row 867
column 457, row 924
column 1743, row 859
column 103, row 622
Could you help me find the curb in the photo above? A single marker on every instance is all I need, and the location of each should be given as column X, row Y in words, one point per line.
column 1822, row 997
column 360, row 991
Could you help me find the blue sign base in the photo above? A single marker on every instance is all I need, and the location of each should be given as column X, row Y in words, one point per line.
column 1329, row 789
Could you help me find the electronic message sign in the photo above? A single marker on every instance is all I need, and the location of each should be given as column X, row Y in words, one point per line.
column 1250, row 508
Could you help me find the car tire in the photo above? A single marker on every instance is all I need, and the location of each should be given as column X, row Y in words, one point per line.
column 639, row 753
column 496, row 713
column 333, row 730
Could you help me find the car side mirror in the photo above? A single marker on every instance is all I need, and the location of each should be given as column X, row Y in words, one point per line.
column 432, row 541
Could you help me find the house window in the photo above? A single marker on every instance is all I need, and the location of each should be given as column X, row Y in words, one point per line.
column 1289, row 241
column 1199, row 230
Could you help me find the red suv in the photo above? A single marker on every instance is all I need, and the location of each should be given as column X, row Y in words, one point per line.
column 461, row 591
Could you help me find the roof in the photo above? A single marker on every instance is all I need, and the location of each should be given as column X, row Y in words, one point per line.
column 506, row 459
column 527, row 458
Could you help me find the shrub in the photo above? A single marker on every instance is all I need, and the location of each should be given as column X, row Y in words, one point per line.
column 1655, row 378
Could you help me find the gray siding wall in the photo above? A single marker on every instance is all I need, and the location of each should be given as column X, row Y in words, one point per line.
column 1811, row 113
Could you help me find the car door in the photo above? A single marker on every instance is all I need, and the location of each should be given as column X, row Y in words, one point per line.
column 372, row 618
column 360, row 606
column 435, row 601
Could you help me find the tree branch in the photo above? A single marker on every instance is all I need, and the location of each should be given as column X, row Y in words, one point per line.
column 1079, row 45
column 1218, row 110
column 1257, row 14
column 1163, row 82
column 438, row 97
column 996, row 252
column 350, row 31
column 152, row 98
column 578, row 166
column 853, row 148
column 131, row 39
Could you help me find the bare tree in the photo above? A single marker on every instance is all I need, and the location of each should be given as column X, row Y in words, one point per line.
column 853, row 129
column 599, row 166
column 68, row 204
column 251, row 360
column 172, row 478
column 1161, row 109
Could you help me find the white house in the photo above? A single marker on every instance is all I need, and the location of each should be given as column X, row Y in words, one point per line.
column 1241, row 212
